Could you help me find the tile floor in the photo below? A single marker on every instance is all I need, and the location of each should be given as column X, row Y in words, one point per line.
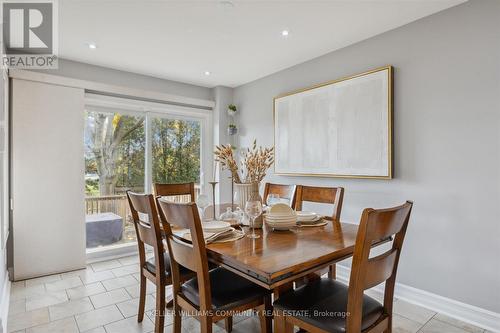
column 103, row 298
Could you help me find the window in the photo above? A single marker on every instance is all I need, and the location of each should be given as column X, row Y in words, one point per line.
column 175, row 150
column 129, row 145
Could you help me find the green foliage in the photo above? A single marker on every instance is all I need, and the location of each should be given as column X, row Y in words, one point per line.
column 115, row 152
column 232, row 107
column 176, row 151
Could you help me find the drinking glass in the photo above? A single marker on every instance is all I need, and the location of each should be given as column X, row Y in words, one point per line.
column 253, row 210
column 272, row 199
column 203, row 202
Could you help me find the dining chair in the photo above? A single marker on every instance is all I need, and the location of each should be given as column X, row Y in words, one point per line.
column 173, row 190
column 214, row 294
column 347, row 309
column 322, row 195
column 156, row 269
column 284, row 191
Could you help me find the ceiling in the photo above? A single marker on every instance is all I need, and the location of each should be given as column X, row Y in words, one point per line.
column 236, row 41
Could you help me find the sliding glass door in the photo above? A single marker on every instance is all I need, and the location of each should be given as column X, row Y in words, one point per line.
column 130, row 145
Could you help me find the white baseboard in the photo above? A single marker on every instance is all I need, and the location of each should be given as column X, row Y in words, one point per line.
column 111, row 252
column 464, row 312
column 5, row 299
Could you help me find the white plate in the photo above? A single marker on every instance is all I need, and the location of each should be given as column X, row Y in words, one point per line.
column 305, row 214
column 279, row 217
column 281, row 209
column 215, row 226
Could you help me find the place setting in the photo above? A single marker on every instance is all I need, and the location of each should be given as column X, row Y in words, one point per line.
column 281, row 217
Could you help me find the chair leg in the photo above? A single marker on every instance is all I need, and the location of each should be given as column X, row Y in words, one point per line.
column 280, row 324
column 266, row 321
column 177, row 318
column 205, row 324
column 142, row 299
column 170, row 303
column 228, row 323
column 332, row 271
column 160, row 308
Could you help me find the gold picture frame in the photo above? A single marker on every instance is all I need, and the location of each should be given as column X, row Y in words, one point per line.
column 389, row 173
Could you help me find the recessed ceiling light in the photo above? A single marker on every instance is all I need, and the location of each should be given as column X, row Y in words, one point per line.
column 92, row 46
column 226, row 4
column 284, row 33
column 207, row 73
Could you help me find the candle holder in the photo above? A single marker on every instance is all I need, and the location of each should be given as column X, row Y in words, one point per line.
column 232, row 193
column 214, row 184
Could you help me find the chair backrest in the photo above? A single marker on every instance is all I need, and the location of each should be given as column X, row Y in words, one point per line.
column 191, row 255
column 168, row 190
column 326, row 195
column 376, row 225
column 284, row 191
column 147, row 228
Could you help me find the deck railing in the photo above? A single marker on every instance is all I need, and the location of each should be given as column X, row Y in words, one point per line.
column 118, row 204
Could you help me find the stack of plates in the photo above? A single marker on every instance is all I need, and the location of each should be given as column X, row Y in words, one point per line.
column 281, row 217
column 215, row 226
column 303, row 216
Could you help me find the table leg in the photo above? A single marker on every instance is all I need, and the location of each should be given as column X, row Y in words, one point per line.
column 278, row 324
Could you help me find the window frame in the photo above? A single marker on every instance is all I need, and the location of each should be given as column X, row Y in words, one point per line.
column 150, row 110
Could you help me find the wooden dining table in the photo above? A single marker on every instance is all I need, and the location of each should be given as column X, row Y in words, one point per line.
column 278, row 258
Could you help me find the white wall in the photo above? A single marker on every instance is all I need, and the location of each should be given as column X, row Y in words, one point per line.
column 82, row 71
column 446, row 143
column 223, row 96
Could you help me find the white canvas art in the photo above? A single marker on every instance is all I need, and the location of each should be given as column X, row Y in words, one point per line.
column 340, row 129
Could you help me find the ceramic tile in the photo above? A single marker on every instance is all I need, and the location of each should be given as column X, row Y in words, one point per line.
column 125, row 270
column 414, row 312
column 25, row 320
column 135, row 289
column 458, row 323
column 404, row 325
column 42, row 280
column 251, row 324
column 18, row 284
column 67, row 325
column 169, row 319
column 117, row 283
column 71, row 308
column 88, row 276
column 97, row 318
column 190, row 325
column 129, row 260
column 130, row 308
column 16, row 307
column 19, row 293
column 105, row 265
column 72, row 282
column 84, row 291
column 96, row 330
column 47, row 299
column 436, row 326
column 130, row 325
column 110, row 297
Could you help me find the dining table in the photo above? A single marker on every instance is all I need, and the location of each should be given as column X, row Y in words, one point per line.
column 278, row 258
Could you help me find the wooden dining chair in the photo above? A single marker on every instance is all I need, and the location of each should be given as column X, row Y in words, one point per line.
column 323, row 195
column 171, row 190
column 284, row 191
column 156, row 269
column 214, row 294
column 353, row 312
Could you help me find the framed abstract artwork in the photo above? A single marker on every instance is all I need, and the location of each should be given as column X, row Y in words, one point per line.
column 341, row 128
